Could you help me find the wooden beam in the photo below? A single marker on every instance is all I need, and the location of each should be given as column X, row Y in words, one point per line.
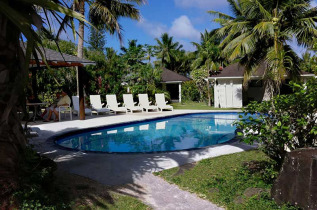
column 81, row 94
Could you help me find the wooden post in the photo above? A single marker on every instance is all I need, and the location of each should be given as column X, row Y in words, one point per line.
column 81, row 94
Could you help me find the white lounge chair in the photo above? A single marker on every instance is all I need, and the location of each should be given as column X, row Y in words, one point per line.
column 96, row 105
column 76, row 106
column 161, row 103
column 130, row 104
column 144, row 103
column 113, row 104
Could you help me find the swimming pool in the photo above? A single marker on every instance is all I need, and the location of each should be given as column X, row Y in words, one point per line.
column 165, row 134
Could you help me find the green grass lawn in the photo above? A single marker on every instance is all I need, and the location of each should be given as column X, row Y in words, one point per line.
column 236, row 181
column 196, row 106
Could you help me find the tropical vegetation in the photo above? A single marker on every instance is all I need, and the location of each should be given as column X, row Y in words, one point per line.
column 22, row 31
column 260, row 31
column 19, row 20
column 286, row 123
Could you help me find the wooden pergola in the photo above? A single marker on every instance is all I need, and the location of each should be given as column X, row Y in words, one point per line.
column 56, row 59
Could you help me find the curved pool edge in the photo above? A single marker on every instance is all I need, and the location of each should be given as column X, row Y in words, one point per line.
column 54, row 138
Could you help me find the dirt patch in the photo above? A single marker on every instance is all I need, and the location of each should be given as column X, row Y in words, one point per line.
column 250, row 192
column 213, row 190
column 184, row 168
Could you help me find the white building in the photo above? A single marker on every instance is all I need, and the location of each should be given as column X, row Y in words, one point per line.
column 230, row 93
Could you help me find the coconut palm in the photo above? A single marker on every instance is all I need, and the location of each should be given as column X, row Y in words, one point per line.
column 18, row 21
column 166, row 49
column 134, row 53
column 105, row 14
column 149, row 50
column 261, row 31
column 207, row 60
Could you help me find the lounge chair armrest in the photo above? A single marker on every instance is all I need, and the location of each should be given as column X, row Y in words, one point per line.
column 118, row 103
column 102, row 104
column 166, row 102
column 135, row 103
column 150, row 102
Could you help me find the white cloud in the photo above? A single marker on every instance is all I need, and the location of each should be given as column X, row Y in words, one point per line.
column 183, row 28
column 201, row 4
column 187, row 46
column 154, row 29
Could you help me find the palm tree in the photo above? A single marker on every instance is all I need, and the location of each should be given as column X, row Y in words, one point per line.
column 134, row 53
column 18, row 21
column 261, row 31
column 105, row 14
column 166, row 49
column 149, row 50
column 207, row 60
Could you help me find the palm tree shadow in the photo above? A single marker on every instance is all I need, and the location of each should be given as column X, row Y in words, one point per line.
column 120, row 172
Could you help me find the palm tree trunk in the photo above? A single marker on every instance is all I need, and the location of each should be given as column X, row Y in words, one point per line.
column 80, row 54
column 81, row 31
column 12, row 77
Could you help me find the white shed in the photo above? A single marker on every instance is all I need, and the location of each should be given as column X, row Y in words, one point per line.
column 229, row 91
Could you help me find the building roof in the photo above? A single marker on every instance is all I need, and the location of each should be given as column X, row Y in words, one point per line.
column 171, row 76
column 58, row 59
column 237, row 71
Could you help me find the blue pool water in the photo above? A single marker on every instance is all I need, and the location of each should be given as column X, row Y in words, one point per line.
column 167, row 134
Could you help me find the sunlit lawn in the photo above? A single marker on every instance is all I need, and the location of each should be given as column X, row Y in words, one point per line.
column 196, row 106
column 228, row 180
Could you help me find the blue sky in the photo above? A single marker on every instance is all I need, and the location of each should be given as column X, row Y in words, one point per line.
column 182, row 19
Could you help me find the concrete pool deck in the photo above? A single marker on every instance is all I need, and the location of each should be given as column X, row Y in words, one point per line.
column 134, row 171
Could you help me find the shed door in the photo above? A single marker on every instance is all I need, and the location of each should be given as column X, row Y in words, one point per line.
column 222, row 95
column 229, row 95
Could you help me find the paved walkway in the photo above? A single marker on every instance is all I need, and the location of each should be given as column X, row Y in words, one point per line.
column 132, row 171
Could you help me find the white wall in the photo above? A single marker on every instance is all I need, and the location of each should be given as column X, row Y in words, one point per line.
column 228, row 93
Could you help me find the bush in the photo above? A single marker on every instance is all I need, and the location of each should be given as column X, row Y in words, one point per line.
column 190, row 91
column 285, row 123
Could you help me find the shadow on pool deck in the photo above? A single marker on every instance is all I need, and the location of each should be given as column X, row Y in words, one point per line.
column 120, row 169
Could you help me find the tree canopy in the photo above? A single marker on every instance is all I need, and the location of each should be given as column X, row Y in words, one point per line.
column 262, row 30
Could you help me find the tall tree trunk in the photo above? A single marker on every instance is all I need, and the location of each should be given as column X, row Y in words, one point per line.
column 12, row 77
column 268, row 90
column 80, row 54
column 81, row 31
